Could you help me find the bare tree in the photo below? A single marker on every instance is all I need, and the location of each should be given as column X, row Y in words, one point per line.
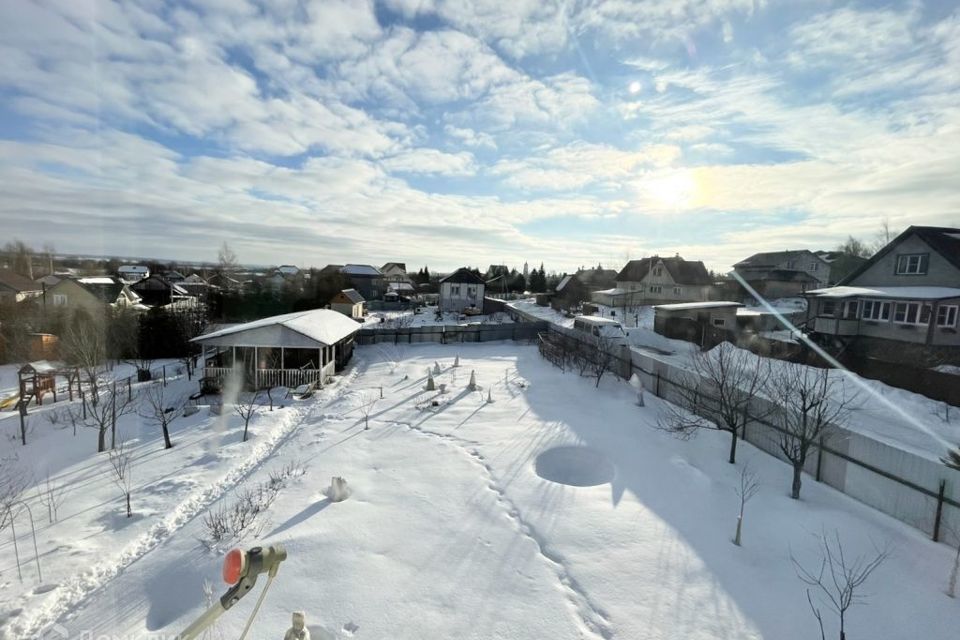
column 103, row 415
column 717, row 394
column 952, row 459
column 855, row 247
column 838, row 580
column 120, row 462
column 51, row 495
column 84, row 345
column 748, row 487
column 604, row 358
column 13, row 482
column 161, row 407
column 811, row 403
column 246, row 407
column 365, row 403
column 226, row 259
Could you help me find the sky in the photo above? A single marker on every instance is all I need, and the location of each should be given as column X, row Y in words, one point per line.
column 445, row 132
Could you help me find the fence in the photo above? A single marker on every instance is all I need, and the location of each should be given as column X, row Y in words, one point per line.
column 452, row 334
column 909, row 487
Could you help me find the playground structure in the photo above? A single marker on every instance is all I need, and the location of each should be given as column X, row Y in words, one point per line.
column 36, row 380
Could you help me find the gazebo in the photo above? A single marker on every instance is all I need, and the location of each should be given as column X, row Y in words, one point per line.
column 288, row 350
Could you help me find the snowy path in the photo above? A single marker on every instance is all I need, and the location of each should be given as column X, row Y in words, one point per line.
column 594, row 619
column 71, row 594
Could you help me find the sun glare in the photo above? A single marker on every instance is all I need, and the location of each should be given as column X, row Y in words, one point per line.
column 673, row 190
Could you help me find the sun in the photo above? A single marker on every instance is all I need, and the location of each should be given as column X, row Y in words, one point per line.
column 671, row 190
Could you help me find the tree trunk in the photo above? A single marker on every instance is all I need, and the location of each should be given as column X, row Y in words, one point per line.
column 129, row 510
column 246, row 425
column 795, row 487
column 166, row 438
column 102, row 439
column 733, row 446
column 736, row 538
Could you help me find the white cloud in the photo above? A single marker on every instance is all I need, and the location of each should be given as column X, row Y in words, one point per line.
column 470, row 137
column 431, row 161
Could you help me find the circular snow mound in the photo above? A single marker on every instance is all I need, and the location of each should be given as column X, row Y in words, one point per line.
column 575, row 466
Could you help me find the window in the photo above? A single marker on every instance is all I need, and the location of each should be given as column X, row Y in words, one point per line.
column 677, row 291
column 876, row 310
column 947, row 316
column 911, row 313
column 59, row 300
column 813, row 266
column 912, row 264
column 850, row 309
column 472, row 292
column 656, row 289
column 719, row 322
column 454, row 289
column 828, row 307
column 658, row 271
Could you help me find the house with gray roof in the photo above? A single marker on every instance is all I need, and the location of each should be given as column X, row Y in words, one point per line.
column 658, row 280
column 901, row 305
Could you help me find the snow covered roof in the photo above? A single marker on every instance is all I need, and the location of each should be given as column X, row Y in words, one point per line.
column 103, row 280
column 680, row 306
column 913, row 293
column 361, row 270
column 616, row 291
column 400, row 286
column 353, row 295
column 302, row 329
column 39, row 366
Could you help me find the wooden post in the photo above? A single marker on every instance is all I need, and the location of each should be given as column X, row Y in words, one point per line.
column 70, row 386
column 129, row 389
column 113, row 416
column 658, row 384
column 164, row 373
column 820, row 459
column 939, row 516
column 54, row 388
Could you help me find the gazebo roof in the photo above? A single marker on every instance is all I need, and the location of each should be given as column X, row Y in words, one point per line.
column 303, row 329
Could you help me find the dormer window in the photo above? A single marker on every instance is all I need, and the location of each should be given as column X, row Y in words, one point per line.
column 912, row 264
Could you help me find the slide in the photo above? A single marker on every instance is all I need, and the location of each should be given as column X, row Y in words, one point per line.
column 9, row 403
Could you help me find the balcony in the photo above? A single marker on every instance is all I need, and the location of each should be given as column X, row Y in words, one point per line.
column 836, row 326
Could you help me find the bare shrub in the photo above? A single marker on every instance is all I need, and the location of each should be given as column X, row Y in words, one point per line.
column 246, row 407
column 51, row 495
column 121, row 459
column 748, row 487
column 837, row 583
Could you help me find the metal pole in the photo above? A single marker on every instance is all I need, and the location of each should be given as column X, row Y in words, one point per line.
column 33, row 530
column 16, row 549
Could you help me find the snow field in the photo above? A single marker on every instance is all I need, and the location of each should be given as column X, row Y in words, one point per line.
column 453, row 529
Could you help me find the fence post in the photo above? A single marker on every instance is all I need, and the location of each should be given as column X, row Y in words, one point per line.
column 129, row 389
column 164, row 375
column 819, row 459
column 83, row 403
column 658, row 385
column 939, row 516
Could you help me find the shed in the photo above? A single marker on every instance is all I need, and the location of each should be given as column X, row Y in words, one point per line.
column 689, row 320
column 350, row 303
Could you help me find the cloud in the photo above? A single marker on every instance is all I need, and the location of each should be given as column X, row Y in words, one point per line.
column 470, row 137
column 431, row 161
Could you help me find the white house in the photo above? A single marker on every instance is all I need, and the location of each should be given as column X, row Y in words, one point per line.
column 131, row 273
column 350, row 303
column 461, row 290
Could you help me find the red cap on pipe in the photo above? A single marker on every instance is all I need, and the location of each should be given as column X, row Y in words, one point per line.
column 234, row 566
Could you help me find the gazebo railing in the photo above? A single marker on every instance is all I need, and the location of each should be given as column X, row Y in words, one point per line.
column 276, row 377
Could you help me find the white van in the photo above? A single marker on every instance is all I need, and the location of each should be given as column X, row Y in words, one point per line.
column 601, row 328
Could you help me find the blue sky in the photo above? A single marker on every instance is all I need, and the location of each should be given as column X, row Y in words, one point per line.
column 444, row 132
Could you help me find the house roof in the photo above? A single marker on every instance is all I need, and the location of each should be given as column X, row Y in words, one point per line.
column 399, row 265
column 320, row 326
column 773, row 258
column 716, row 304
column 361, row 270
column 689, row 272
column 105, row 288
column 463, row 275
column 905, row 293
column 17, row 282
column 596, row 276
column 353, row 295
column 567, row 281
column 943, row 240
column 782, row 275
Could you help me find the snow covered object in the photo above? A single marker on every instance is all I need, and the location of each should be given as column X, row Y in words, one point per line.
column 298, row 629
column 473, row 381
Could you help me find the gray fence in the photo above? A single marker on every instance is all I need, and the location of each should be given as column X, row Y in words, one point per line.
column 452, row 334
column 909, row 487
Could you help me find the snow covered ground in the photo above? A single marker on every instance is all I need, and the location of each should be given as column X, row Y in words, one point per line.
column 557, row 511
column 428, row 318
